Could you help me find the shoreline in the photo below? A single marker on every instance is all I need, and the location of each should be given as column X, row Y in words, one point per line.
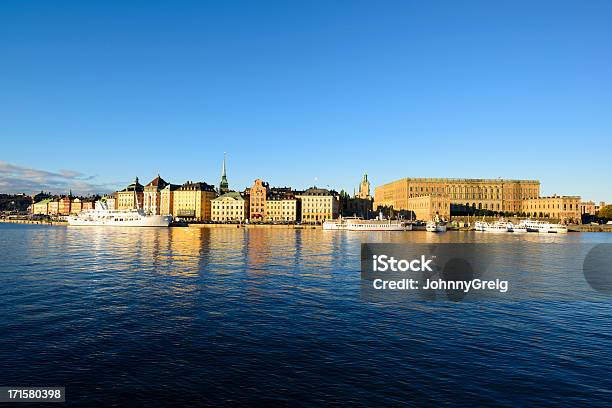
column 571, row 228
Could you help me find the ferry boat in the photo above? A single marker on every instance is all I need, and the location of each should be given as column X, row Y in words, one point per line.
column 118, row 218
column 544, row 227
column 338, row 224
column 480, row 225
column 557, row 229
column 377, row 225
column 433, row 226
column 517, row 228
column 497, row 227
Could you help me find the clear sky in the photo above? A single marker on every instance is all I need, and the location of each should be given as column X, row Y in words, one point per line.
column 95, row 93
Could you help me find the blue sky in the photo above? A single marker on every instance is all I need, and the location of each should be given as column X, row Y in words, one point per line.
column 95, row 93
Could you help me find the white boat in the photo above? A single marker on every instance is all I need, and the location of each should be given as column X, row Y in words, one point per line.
column 338, row 224
column 433, row 226
column 517, row 228
column 544, row 227
column 497, row 227
column 480, row 225
column 377, row 225
column 118, row 218
column 557, row 229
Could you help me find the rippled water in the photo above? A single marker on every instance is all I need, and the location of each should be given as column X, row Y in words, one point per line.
column 211, row 316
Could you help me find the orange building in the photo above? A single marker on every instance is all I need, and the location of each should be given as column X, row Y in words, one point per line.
column 258, row 195
column 64, row 205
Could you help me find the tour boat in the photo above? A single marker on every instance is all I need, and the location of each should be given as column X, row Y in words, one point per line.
column 480, row 225
column 377, row 225
column 544, row 227
column 102, row 216
column 338, row 224
column 119, row 218
column 557, row 229
column 433, row 226
column 517, row 228
column 496, row 227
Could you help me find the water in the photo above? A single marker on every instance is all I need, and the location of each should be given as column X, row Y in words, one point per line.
column 232, row 316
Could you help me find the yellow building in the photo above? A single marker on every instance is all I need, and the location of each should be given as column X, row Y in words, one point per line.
column 126, row 198
column 230, row 207
column 166, row 199
column 318, row 205
column 41, row 207
column 564, row 208
column 152, row 196
column 428, row 207
column 76, row 206
column 192, row 201
column 282, row 206
column 53, row 207
column 497, row 195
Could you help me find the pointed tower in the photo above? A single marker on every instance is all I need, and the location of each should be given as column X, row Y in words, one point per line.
column 223, row 185
column 364, row 187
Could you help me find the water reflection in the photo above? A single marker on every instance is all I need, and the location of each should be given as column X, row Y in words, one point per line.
column 206, row 309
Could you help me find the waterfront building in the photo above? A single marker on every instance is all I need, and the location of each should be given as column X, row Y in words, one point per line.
column 130, row 197
column 230, row 206
column 564, row 208
column 318, row 205
column 53, row 207
column 192, row 201
column 257, row 200
column 282, row 205
column 166, row 199
column 152, row 196
column 76, row 205
column 498, row 195
column 223, row 184
column 64, row 204
column 427, row 207
column 41, row 207
column 588, row 207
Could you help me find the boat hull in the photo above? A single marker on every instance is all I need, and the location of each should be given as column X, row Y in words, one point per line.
column 379, row 228
column 148, row 221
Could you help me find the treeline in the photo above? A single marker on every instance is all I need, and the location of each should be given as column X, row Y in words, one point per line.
column 14, row 202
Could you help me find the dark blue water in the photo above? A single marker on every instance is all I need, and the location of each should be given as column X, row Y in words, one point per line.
column 227, row 316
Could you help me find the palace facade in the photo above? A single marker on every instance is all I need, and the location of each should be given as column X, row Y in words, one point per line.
column 483, row 194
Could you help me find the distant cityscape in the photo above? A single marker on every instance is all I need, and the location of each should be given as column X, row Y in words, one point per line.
column 414, row 198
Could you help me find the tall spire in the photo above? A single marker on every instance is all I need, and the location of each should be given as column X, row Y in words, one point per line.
column 223, row 185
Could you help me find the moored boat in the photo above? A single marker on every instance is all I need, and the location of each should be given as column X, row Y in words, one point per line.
column 433, row 226
column 377, row 225
column 497, row 227
column 517, row 228
column 118, row 218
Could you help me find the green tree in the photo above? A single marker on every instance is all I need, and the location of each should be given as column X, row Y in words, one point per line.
column 605, row 212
